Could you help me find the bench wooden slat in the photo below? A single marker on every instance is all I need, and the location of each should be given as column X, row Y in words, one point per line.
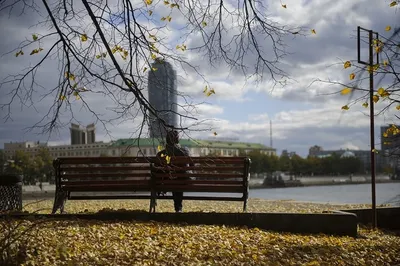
column 106, row 168
column 108, row 197
column 207, row 160
column 208, row 182
column 106, row 182
column 106, row 188
column 199, row 188
column 204, row 168
column 106, row 160
column 201, row 175
column 98, row 175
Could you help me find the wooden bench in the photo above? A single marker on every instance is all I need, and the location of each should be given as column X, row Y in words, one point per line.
column 225, row 177
column 101, row 178
column 143, row 178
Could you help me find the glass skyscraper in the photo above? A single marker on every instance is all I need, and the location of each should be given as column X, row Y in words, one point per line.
column 162, row 87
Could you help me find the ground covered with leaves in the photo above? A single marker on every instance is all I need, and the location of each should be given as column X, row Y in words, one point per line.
column 83, row 242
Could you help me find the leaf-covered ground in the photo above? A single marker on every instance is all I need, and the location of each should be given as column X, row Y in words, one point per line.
column 152, row 243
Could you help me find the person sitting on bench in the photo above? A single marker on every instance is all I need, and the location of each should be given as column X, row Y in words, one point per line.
column 173, row 149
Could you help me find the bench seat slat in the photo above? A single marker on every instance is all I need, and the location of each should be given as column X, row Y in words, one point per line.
column 203, row 182
column 207, row 160
column 199, row 188
column 106, row 182
column 97, row 175
column 106, row 168
column 107, row 188
column 106, row 160
column 201, row 175
column 203, row 168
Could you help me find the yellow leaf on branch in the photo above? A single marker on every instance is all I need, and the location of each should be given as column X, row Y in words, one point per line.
column 345, row 91
column 283, row 5
column 373, row 68
column 34, row 37
column 392, row 4
column 174, row 5
column 211, row 91
column 70, row 76
column 166, row 2
column 204, row 23
column 313, row 31
column 345, row 107
column 168, row 159
column 84, row 37
column 398, row 107
column 76, row 94
column 388, row 28
column 385, row 63
column 347, row 64
column 144, row 69
column 153, row 37
column 365, row 105
column 62, row 97
column 34, row 51
column 205, row 89
column 19, row 53
column 352, row 76
column 148, row 2
column 375, row 98
column 382, row 92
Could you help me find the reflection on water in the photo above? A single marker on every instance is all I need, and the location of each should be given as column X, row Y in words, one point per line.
column 346, row 194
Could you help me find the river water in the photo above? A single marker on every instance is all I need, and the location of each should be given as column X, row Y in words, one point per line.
column 342, row 194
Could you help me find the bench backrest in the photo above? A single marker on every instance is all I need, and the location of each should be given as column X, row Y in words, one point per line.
column 202, row 174
column 103, row 173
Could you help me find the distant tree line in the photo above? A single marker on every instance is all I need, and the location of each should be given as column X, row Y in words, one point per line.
column 38, row 168
column 296, row 165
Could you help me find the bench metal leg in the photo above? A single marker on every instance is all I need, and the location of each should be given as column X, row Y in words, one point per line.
column 153, row 202
column 246, row 198
column 59, row 201
column 245, row 205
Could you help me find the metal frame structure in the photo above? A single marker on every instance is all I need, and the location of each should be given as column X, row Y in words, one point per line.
column 371, row 64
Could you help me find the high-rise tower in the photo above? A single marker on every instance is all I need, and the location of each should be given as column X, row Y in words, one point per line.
column 162, row 86
column 82, row 135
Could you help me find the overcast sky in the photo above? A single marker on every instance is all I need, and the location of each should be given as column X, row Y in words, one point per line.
column 301, row 115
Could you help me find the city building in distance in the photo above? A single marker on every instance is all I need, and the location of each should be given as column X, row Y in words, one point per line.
column 82, row 135
column 162, row 88
column 137, row 147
